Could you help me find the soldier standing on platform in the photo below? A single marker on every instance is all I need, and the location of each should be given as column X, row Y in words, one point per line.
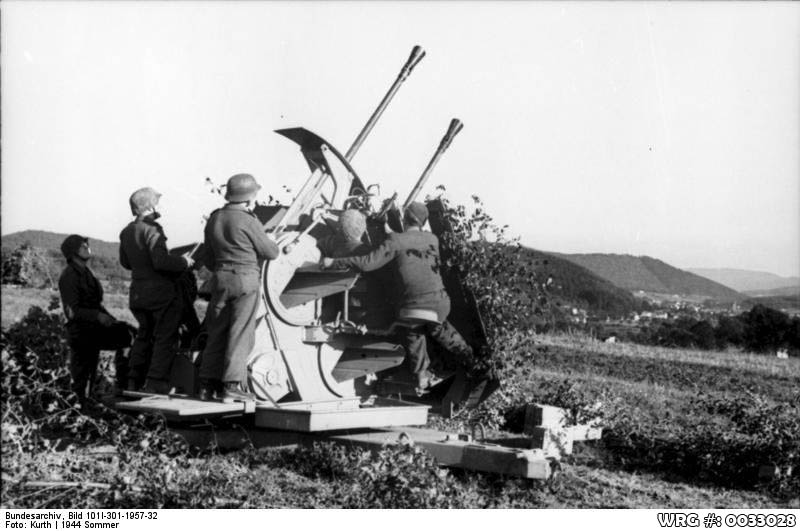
column 90, row 327
column 235, row 247
column 154, row 298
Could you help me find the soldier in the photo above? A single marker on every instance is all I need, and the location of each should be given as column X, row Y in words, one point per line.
column 154, row 297
column 416, row 256
column 90, row 327
column 235, row 247
column 347, row 240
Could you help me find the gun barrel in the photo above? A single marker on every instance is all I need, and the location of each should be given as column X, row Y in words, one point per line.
column 417, row 53
column 452, row 131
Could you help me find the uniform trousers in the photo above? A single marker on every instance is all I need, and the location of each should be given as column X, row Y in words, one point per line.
column 156, row 343
column 231, row 320
column 86, row 342
column 444, row 333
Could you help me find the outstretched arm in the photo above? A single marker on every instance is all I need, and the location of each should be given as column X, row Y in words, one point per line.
column 378, row 258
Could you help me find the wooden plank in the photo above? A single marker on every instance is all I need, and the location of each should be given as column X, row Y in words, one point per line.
column 553, row 442
column 543, row 415
column 585, row 432
column 384, row 413
column 175, row 408
column 448, row 449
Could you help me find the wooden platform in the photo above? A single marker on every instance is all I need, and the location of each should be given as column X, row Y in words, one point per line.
column 352, row 423
column 184, row 408
column 292, row 416
column 341, row 415
column 449, row 450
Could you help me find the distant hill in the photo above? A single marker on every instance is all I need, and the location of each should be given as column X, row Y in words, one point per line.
column 52, row 241
column 576, row 285
column 791, row 291
column 748, row 281
column 106, row 254
column 643, row 273
column 785, row 303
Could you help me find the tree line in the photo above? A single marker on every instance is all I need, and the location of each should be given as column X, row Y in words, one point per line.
column 761, row 329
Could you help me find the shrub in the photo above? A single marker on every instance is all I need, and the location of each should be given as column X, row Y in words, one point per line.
column 765, row 329
column 729, row 331
column 27, row 266
column 727, row 442
column 396, row 477
column 508, row 288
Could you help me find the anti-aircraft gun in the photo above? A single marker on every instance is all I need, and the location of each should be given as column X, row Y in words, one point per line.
column 326, row 354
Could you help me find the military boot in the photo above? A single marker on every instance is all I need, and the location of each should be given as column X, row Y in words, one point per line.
column 156, row 387
column 234, row 392
column 210, row 390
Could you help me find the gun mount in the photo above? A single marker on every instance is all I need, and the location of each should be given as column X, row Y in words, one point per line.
column 326, row 355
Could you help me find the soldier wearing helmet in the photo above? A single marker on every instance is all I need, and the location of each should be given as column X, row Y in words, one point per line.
column 415, row 255
column 154, row 297
column 347, row 239
column 235, row 246
column 90, row 327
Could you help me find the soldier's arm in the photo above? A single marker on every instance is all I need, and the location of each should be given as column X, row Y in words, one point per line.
column 162, row 260
column 123, row 257
column 209, row 259
column 266, row 249
column 70, row 300
column 378, row 258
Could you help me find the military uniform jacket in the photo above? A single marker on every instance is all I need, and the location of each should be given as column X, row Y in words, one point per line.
column 235, row 240
column 143, row 250
column 81, row 297
column 416, row 255
column 337, row 246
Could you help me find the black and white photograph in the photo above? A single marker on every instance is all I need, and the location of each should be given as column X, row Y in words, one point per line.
column 400, row 255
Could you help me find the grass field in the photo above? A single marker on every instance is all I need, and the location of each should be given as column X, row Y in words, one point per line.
column 683, row 428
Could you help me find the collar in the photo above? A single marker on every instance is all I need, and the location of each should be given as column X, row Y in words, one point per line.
column 81, row 267
column 149, row 218
column 236, row 206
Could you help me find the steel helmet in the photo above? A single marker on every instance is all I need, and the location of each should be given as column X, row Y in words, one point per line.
column 143, row 200
column 71, row 245
column 352, row 225
column 241, row 187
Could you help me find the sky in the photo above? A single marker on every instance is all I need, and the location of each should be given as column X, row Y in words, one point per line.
column 666, row 129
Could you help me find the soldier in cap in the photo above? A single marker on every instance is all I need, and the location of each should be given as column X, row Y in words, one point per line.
column 415, row 254
column 90, row 327
column 154, row 297
column 235, row 247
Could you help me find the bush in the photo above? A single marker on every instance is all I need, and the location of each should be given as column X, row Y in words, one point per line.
column 28, row 266
column 727, row 443
column 766, row 330
column 729, row 331
column 507, row 287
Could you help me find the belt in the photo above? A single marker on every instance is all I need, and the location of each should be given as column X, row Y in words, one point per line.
column 237, row 271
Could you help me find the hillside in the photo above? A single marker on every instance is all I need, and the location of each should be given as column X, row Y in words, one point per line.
column 759, row 282
column 789, row 304
column 789, row 291
column 105, row 263
column 51, row 241
column 576, row 285
column 635, row 273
